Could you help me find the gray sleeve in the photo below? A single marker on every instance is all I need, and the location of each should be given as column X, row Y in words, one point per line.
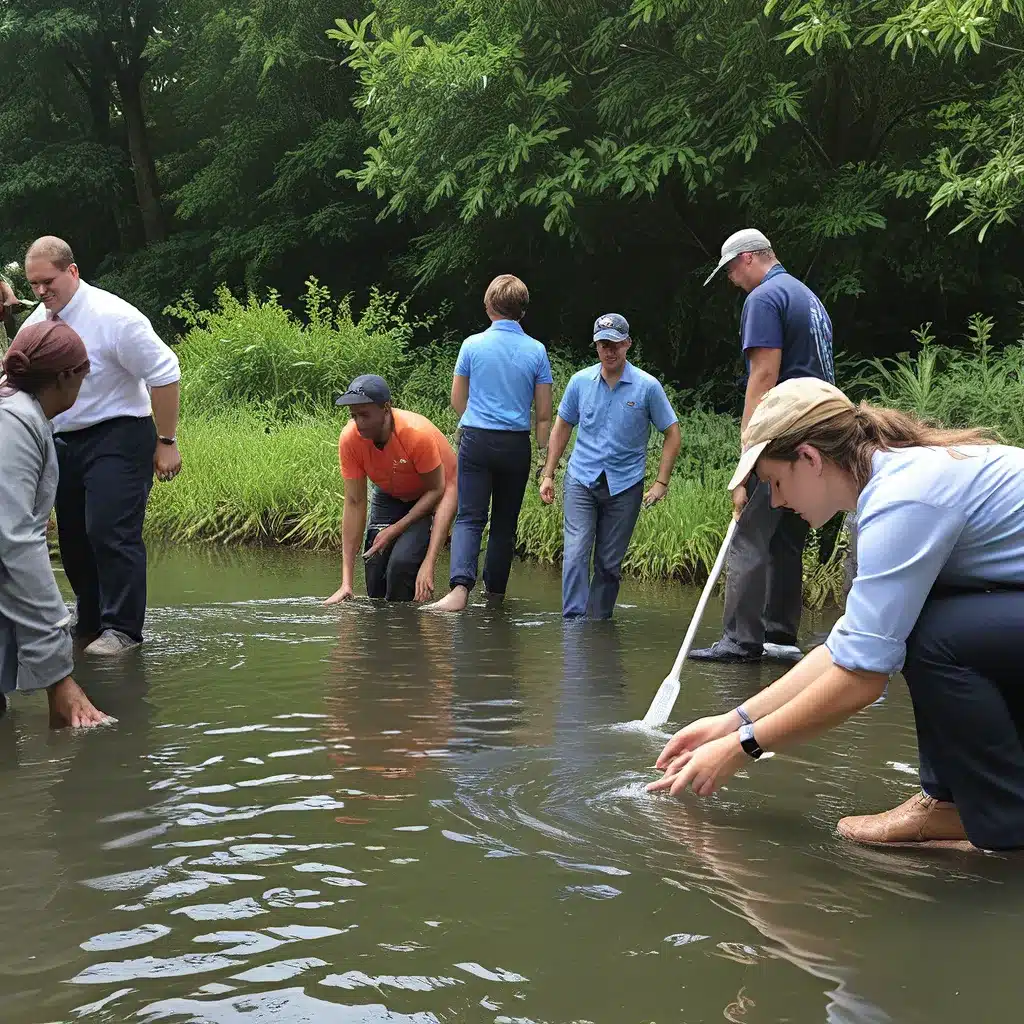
column 29, row 597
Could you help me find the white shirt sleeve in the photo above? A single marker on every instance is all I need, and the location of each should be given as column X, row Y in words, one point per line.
column 143, row 354
column 902, row 547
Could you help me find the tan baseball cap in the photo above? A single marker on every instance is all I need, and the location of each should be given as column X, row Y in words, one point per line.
column 799, row 402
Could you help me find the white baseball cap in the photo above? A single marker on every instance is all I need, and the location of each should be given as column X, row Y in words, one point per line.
column 747, row 240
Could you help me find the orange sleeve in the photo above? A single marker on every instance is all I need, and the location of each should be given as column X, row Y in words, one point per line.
column 350, row 456
column 426, row 456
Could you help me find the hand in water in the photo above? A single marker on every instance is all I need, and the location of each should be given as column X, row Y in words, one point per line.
column 739, row 500
column 694, row 735
column 655, row 494
column 69, row 706
column 704, row 769
column 424, row 583
column 343, row 593
column 547, row 490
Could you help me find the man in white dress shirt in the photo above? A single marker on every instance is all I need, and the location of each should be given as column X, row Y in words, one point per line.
column 120, row 432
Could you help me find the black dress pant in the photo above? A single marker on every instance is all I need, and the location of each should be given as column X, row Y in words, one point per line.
column 963, row 668
column 106, row 473
column 391, row 575
column 764, row 575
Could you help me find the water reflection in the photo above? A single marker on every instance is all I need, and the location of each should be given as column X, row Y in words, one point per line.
column 56, row 827
column 389, row 698
column 377, row 815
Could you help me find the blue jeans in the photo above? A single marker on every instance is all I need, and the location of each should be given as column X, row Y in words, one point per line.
column 599, row 522
column 494, row 468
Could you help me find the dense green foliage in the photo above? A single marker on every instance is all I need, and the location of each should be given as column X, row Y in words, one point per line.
column 600, row 150
column 256, row 352
column 955, row 386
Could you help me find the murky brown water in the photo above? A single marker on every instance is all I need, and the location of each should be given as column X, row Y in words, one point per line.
column 379, row 815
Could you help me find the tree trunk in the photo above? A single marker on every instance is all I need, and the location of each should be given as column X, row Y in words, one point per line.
column 147, row 188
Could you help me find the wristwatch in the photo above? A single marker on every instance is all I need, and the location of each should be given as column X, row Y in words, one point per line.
column 748, row 743
column 167, row 440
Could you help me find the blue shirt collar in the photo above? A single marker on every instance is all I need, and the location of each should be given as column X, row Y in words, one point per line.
column 627, row 373
column 774, row 272
column 507, row 325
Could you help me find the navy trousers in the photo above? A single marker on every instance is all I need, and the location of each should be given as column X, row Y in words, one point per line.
column 106, row 473
column 963, row 668
column 494, row 468
column 391, row 575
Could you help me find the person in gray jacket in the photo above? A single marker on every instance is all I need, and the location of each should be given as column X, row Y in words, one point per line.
column 43, row 372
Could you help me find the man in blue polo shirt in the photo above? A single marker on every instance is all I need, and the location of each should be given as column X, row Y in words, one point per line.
column 614, row 404
column 785, row 333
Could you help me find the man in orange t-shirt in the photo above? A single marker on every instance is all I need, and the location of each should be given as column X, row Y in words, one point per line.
column 413, row 468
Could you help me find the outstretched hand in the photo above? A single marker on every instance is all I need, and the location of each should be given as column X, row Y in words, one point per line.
column 704, row 769
column 343, row 593
column 694, row 735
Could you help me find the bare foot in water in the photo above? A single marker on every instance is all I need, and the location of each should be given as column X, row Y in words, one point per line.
column 454, row 601
column 70, row 706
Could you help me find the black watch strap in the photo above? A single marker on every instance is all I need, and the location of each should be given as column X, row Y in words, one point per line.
column 167, row 440
column 748, row 743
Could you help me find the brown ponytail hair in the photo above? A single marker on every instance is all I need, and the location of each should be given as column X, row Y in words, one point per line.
column 851, row 437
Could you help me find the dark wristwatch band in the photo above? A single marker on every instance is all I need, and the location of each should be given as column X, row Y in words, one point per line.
column 167, row 440
column 748, row 743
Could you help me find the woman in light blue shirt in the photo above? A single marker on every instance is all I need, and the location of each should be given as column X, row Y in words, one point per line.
column 939, row 594
column 500, row 375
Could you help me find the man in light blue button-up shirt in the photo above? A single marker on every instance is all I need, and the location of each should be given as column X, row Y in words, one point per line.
column 614, row 405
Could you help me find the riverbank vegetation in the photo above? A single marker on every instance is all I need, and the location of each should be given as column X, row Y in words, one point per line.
column 259, row 431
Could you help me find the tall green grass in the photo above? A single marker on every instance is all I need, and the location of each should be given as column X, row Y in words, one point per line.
column 253, row 478
column 978, row 385
column 259, row 431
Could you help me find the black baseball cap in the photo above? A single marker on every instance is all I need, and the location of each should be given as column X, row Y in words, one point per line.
column 366, row 389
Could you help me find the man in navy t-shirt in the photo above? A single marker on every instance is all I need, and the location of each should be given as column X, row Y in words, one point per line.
column 785, row 333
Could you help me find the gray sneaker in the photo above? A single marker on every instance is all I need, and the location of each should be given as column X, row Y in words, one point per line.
column 111, row 642
column 783, row 652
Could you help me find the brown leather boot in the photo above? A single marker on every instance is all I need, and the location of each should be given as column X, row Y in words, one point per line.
column 920, row 821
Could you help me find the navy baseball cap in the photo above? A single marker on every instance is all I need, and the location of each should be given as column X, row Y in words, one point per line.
column 366, row 389
column 611, row 327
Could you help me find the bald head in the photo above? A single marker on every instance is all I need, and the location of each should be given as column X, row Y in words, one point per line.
column 53, row 250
